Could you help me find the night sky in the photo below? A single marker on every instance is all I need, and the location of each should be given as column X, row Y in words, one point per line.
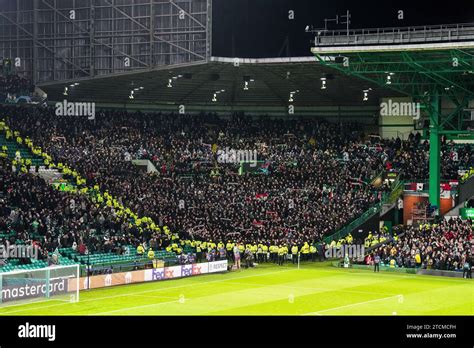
column 259, row 28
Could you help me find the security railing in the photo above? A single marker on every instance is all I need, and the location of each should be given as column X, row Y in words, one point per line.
column 374, row 210
column 387, row 198
column 396, row 35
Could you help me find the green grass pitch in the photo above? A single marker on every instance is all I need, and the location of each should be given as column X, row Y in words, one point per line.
column 315, row 289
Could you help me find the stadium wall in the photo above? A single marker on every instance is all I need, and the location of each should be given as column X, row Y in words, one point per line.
column 71, row 39
column 149, row 275
column 383, row 268
column 438, row 273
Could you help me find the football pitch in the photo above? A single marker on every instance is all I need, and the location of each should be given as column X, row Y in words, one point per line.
column 314, row 289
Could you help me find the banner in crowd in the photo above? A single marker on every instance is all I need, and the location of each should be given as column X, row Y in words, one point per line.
column 258, row 167
column 155, row 274
column 445, row 188
column 467, row 213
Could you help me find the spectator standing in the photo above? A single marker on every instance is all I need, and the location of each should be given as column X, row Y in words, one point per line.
column 376, row 263
column 237, row 256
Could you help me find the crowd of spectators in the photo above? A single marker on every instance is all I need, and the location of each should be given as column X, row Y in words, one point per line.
column 13, row 85
column 33, row 212
column 308, row 191
column 317, row 175
column 444, row 246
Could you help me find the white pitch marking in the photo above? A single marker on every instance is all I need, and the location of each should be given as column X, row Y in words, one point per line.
column 349, row 305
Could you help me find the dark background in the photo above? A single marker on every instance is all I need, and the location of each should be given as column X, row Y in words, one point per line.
column 259, row 28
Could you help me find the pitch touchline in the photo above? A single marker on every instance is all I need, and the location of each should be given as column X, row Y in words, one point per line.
column 351, row 305
column 135, row 307
column 146, row 291
column 151, row 296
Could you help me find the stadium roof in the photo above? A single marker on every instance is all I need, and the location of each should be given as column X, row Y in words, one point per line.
column 270, row 83
column 426, row 72
column 416, row 61
column 429, row 64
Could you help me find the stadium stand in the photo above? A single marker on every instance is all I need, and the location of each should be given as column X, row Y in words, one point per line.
column 444, row 246
column 35, row 213
column 14, row 85
column 315, row 178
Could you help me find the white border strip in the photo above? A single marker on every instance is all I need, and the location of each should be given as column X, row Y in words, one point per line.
column 239, row 60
